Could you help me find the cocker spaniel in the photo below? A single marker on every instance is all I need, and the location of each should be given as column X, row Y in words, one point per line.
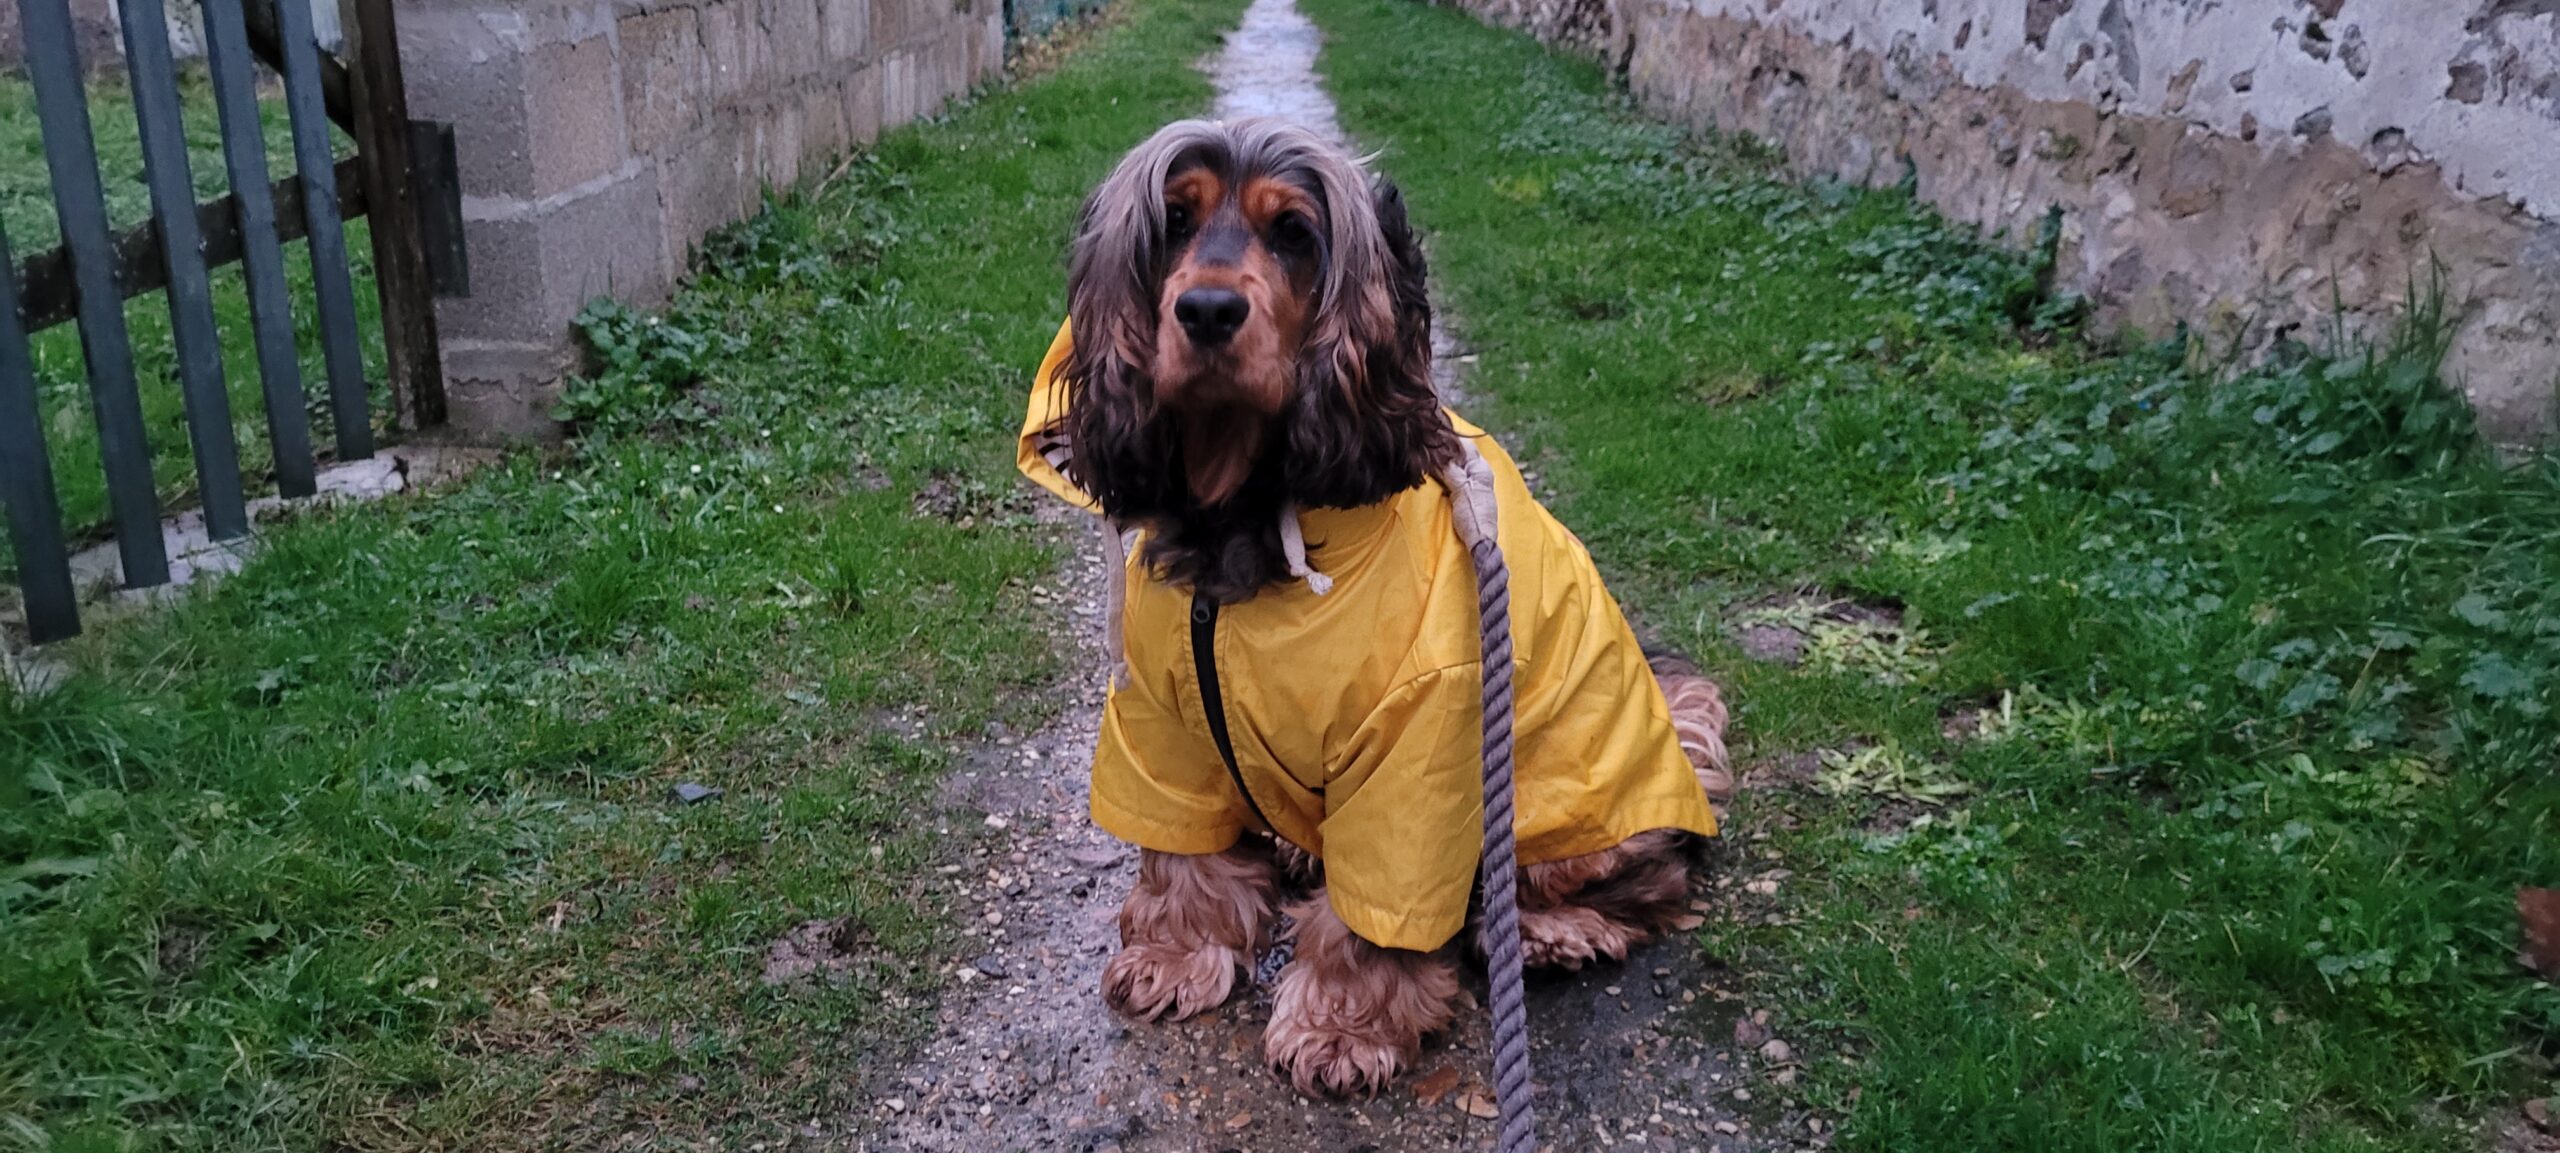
column 1244, row 387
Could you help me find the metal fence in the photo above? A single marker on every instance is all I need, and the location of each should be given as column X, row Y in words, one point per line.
column 398, row 165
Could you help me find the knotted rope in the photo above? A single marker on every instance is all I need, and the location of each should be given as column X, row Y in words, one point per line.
column 1472, row 507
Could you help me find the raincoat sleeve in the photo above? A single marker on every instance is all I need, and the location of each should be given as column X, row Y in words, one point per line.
column 1158, row 782
column 1042, row 450
column 1404, row 815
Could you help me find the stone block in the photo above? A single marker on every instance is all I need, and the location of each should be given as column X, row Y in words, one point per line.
column 848, row 28
column 889, row 24
column 778, row 147
column 706, row 184
column 461, row 71
column 666, row 84
column 823, row 132
column 938, row 76
column 730, row 46
column 505, row 390
column 573, row 97
column 794, row 44
column 989, row 45
column 862, row 105
column 535, row 264
column 892, row 72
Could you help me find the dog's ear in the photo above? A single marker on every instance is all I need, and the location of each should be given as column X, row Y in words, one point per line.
column 1365, row 421
column 1409, row 280
column 1123, row 457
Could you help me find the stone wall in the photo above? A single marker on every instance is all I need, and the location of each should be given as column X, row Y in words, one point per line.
column 599, row 141
column 2243, row 166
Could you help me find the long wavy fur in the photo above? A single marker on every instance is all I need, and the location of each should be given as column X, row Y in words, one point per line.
column 1362, row 422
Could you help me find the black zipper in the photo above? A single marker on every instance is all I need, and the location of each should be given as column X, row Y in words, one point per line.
column 1204, row 662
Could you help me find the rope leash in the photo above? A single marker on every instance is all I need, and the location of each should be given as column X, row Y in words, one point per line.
column 1471, row 501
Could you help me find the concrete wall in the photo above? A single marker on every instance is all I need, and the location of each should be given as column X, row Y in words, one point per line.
column 2238, row 165
column 601, row 139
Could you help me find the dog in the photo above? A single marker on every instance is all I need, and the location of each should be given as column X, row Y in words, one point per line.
column 1243, row 386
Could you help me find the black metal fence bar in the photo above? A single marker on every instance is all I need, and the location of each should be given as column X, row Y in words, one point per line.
column 244, row 150
column 26, row 480
column 62, row 111
column 332, row 291
column 173, row 206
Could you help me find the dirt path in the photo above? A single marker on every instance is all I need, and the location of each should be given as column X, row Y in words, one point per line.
column 1025, row 1056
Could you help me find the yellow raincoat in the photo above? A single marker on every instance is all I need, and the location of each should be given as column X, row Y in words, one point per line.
column 1355, row 715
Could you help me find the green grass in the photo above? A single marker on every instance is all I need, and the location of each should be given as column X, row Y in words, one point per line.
column 27, row 213
column 371, row 846
column 2235, row 868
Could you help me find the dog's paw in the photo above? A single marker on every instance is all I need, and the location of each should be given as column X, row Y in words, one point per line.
column 1572, row 936
column 1150, row 981
column 1327, row 1060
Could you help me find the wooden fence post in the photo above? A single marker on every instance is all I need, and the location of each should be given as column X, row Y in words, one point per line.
column 410, row 350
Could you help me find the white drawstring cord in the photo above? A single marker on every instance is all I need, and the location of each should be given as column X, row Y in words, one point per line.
column 1293, row 546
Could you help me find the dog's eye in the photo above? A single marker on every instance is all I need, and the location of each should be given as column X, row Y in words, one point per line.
column 1291, row 234
column 1177, row 222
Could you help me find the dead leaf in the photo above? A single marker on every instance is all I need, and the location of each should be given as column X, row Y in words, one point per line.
column 2540, row 911
column 1475, row 1102
column 1687, row 922
column 1240, row 1120
column 2540, row 1112
column 1431, row 1089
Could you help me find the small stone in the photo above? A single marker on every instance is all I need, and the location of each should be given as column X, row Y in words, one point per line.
column 2467, row 82
column 1777, row 1052
column 989, row 966
column 1614, row 991
column 1749, row 1034
column 895, row 1104
column 1096, row 856
column 1728, row 1128
column 997, row 822
column 693, row 794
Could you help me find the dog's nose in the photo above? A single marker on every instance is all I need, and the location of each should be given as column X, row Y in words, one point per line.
column 1211, row 315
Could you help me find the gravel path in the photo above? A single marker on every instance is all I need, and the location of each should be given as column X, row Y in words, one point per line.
column 1025, row 1056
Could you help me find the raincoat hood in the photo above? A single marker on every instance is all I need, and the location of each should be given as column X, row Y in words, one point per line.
column 1354, row 714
